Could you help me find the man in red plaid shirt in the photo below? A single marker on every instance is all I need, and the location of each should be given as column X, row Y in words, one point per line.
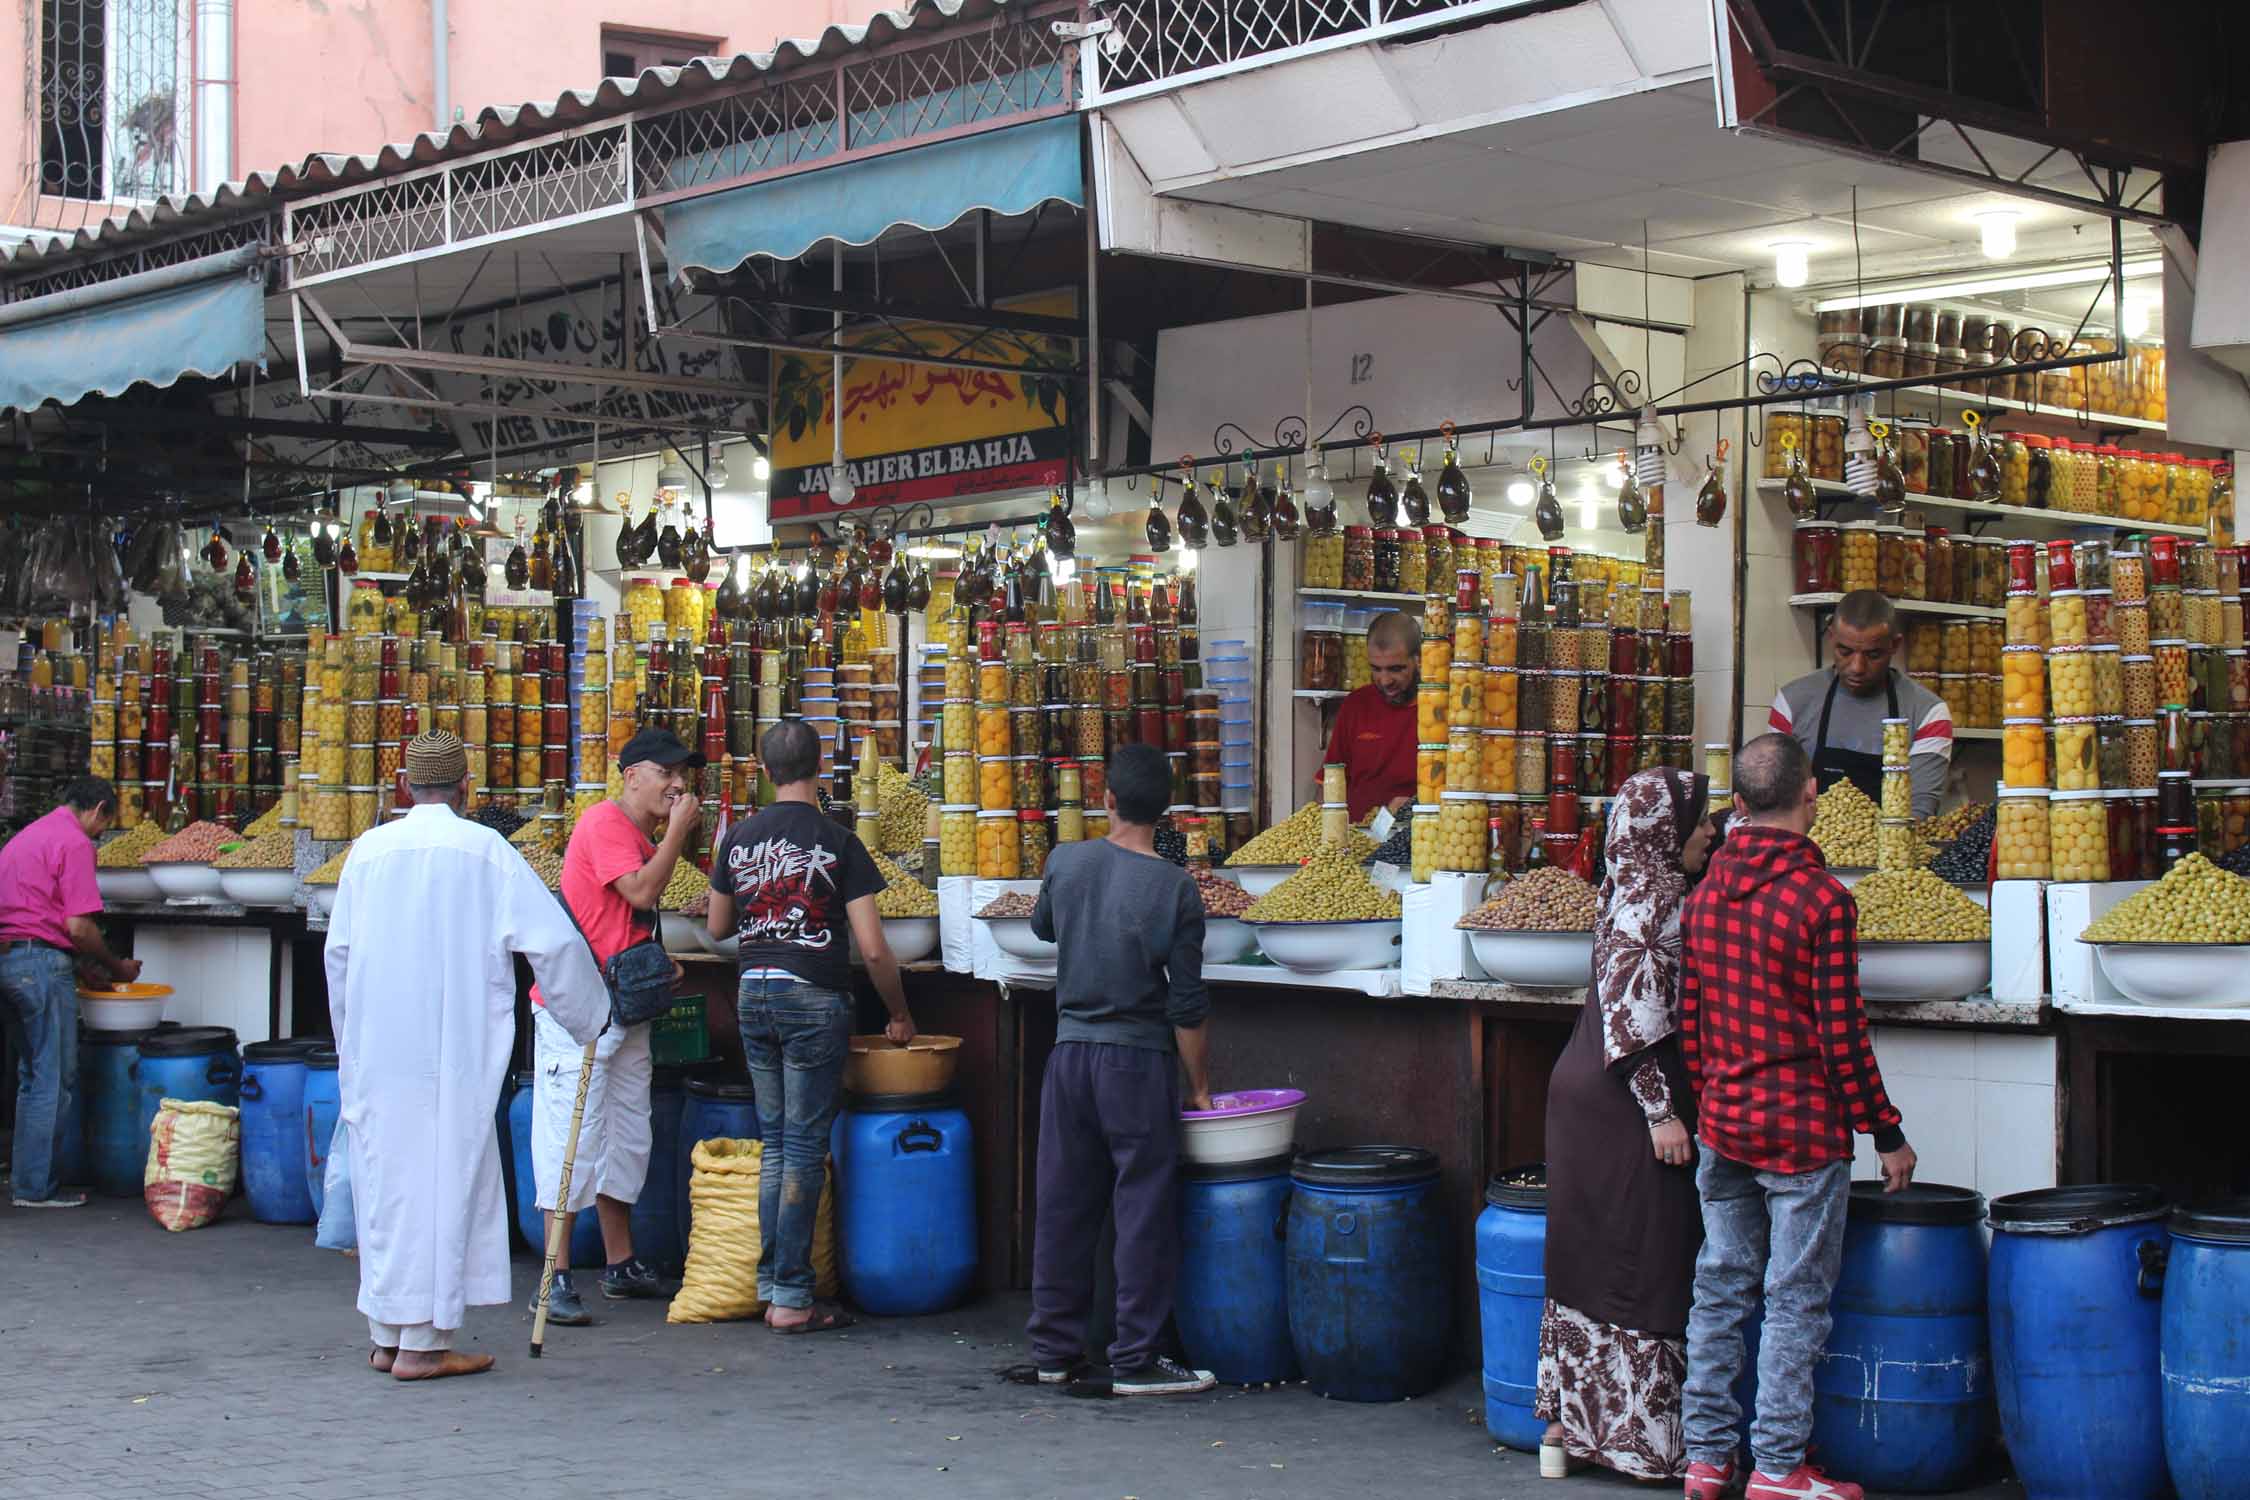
column 1774, row 1037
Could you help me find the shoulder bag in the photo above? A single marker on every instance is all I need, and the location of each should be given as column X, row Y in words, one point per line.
column 639, row 975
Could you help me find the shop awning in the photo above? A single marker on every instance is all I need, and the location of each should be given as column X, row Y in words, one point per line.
column 202, row 317
column 1009, row 171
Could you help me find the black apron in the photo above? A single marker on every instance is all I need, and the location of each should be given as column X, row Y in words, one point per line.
column 1861, row 769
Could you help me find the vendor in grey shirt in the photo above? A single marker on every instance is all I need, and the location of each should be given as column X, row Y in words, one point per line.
column 1128, row 990
column 1837, row 713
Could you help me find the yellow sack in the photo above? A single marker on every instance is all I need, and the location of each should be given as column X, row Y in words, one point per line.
column 721, row 1282
column 194, row 1153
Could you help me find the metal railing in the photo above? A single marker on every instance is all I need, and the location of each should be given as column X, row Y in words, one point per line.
column 110, row 83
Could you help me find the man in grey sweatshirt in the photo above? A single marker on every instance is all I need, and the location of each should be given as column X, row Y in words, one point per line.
column 1128, row 991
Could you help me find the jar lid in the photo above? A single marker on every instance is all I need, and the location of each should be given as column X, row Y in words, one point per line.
column 2038, row 723
column 1360, row 533
column 1451, row 796
column 1009, row 813
column 2025, row 650
column 1426, row 809
column 2021, row 791
column 1032, row 815
column 2075, row 719
column 1510, row 733
column 1811, row 524
column 957, row 807
column 2035, row 440
column 2077, row 796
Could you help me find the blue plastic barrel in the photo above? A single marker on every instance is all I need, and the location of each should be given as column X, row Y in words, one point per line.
column 656, row 1213
column 72, row 1169
column 1233, row 1304
column 273, row 1132
column 193, row 1062
column 586, row 1251
column 1511, row 1295
column 2206, row 1348
column 116, row 1151
column 1370, row 1272
column 323, row 1106
column 2077, row 1276
column 717, row 1108
column 1902, row 1396
column 906, row 1202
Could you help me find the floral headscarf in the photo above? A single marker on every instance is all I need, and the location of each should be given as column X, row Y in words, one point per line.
column 1637, row 934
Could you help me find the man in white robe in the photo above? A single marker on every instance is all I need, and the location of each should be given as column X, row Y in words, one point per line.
column 422, row 992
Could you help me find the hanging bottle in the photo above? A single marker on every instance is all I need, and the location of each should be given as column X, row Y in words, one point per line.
column 518, row 569
column 1012, row 595
column 895, row 585
column 918, row 587
column 1797, row 487
column 406, row 544
column 1156, row 526
column 695, row 551
column 628, row 534
column 1711, row 499
column 1254, row 506
column 1414, row 499
column 1225, row 529
column 245, row 578
column 215, row 549
column 382, row 528
column 1890, row 479
column 472, row 558
column 272, row 544
column 1062, row 534
column 668, row 540
column 729, row 601
column 542, row 564
column 1105, row 601
column 1453, row 495
column 1984, row 464
column 1282, row 505
column 1548, row 510
column 437, row 563
column 1382, row 495
column 323, row 545
column 1632, row 510
column 292, row 568
column 418, row 584
column 1195, row 521
column 347, row 557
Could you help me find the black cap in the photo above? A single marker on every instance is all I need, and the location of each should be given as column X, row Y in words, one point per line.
column 661, row 746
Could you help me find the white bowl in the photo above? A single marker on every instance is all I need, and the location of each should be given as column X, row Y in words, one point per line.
column 1923, row 971
column 133, row 887
column 1536, row 960
column 1850, row 875
column 1226, row 940
column 728, row 947
column 259, row 887
column 182, row 882
column 1014, row 937
column 1259, row 879
column 1233, row 1138
column 1327, row 947
column 2198, row 974
column 120, row 1015
column 320, row 900
column 678, row 932
column 911, row 938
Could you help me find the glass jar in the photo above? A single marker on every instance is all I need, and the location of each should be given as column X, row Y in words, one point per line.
column 2015, row 469
column 2066, row 618
column 1464, row 761
column 1320, row 668
column 1429, row 772
column 1531, row 764
column 1984, row 700
column 1359, row 558
column 1954, row 649
column 2020, row 836
column 2026, row 620
column 1786, row 432
column 1813, row 549
column 1937, row 558
column 1826, row 455
column 1321, row 565
column 1461, row 838
column 1413, row 562
column 1501, row 704
column 2167, row 614
column 2039, row 478
column 2143, row 753
column 1430, row 701
column 2129, row 626
column 2077, row 756
column 2023, row 753
column 2109, row 680
column 2070, row 682
column 1991, row 573
column 2078, row 836
column 1499, row 760
column 1857, row 551
column 1423, row 843
column 995, row 786
column 1032, row 844
column 1386, row 566
column 2173, row 684
column 999, row 851
column 1027, row 731
column 1439, row 572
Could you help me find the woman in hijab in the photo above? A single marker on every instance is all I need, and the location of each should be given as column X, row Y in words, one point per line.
column 1623, row 1223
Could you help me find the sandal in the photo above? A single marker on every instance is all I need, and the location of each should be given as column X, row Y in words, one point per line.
column 826, row 1316
column 381, row 1360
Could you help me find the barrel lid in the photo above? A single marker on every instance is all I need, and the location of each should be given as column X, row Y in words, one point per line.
column 293, row 1049
column 735, row 1090
column 189, row 1041
column 1916, row 1203
column 1365, row 1166
column 2216, row 1219
column 2077, row 1210
column 321, row 1058
column 896, row 1104
column 1258, row 1170
column 1523, row 1187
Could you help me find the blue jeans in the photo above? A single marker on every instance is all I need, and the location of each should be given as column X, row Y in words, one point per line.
column 39, row 993
column 794, row 1037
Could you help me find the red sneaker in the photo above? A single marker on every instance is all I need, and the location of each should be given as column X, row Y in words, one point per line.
column 1801, row 1483
column 1710, row 1482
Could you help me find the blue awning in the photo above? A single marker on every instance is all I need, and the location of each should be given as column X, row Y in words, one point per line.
column 1009, row 171
column 201, row 318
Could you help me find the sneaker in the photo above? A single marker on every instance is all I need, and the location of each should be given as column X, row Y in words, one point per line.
column 631, row 1278
column 1711, row 1482
column 1801, row 1483
column 58, row 1199
column 563, row 1304
column 1161, row 1377
column 1061, row 1374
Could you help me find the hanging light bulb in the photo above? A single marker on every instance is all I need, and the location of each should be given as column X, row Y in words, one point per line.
column 1097, row 498
column 2140, row 311
column 671, row 474
column 1996, row 232
column 1520, row 492
column 715, row 477
column 761, row 468
column 1792, row 262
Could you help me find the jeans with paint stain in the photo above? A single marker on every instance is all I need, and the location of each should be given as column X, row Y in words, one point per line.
column 794, row 1038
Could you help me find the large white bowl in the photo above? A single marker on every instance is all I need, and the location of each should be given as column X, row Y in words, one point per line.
column 1327, row 947
column 183, row 882
column 1226, row 940
column 259, row 887
column 1218, row 1139
column 728, row 947
column 121, row 1014
column 1536, row 960
column 1014, row 937
column 1259, row 879
column 132, row 887
column 2199, row 974
column 320, row 900
column 911, row 938
column 678, row 932
column 1923, row 971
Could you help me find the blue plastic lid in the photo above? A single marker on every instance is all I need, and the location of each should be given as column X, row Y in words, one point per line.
column 1365, row 1166
column 1916, row 1203
column 1523, row 1187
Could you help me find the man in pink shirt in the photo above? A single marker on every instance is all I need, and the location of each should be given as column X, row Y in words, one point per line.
column 48, row 901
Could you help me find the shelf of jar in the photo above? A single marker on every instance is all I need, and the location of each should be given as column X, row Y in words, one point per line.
column 2058, row 520
column 1320, row 695
column 1960, row 396
column 1365, row 595
column 1905, row 607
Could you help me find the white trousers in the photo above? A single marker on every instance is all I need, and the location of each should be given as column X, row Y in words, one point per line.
column 614, row 1137
column 420, row 1338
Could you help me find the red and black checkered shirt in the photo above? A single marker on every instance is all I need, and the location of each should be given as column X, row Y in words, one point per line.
column 1772, row 1028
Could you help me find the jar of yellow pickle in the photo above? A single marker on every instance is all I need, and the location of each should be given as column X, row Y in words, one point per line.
column 2026, row 620
column 1032, row 843
column 2023, row 753
column 1856, row 555
column 1464, row 760
column 1461, row 832
column 644, row 606
column 1500, row 701
column 994, row 734
column 1429, row 772
column 1322, row 563
column 2077, row 757
column 1499, row 760
column 960, row 776
column 1984, row 700
column 2129, row 623
column 1423, row 842
column 2078, row 836
column 957, row 840
column 2070, row 682
column 2023, row 676
column 362, row 810
column 2066, row 618
column 2109, row 680
column 999, row 852
column 1468, row 638
column 2020, row 834
column 995, row 784
column 1430, row 713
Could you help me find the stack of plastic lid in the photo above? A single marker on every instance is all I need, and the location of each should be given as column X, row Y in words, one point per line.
column 1226, row 669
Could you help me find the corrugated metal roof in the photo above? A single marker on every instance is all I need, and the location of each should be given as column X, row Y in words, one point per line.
column 495, row 126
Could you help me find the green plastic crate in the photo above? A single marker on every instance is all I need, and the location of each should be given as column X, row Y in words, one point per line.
column 679, row 1036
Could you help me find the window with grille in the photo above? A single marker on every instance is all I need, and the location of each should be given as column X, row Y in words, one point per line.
column 112, row 105
column 628, row 54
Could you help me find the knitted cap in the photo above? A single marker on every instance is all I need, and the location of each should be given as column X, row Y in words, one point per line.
column 436, row 759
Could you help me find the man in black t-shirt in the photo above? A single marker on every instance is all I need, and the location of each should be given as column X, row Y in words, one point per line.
column 789, row 882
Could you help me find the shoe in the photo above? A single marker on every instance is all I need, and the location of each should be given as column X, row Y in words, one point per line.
column 563, row 1304
column 1801, row 1483
column 631, row 1278
column 1161, row 1377
column 56, row 1199
column 1710, row 1482
column 1061, row 1374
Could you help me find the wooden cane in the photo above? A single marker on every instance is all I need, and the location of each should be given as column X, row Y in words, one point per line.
column 559, row 1221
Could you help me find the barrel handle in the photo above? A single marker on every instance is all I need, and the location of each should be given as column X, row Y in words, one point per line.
column 252, row 1088
column 223, row 1070
column 919, row 1136
column 2155, row 1254
column 1281, row 1222
column 314, row 1156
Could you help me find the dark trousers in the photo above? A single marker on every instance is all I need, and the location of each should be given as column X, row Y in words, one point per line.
column 1108, row 1147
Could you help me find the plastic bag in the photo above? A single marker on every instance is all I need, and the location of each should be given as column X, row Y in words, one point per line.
column 57, row 579
column 724, row 1243
column 339, row 1218
column 194, row 1159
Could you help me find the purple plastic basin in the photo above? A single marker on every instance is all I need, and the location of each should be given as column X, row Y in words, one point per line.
column 1239, row 1102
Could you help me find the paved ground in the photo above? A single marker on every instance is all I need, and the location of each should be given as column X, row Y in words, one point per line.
column 229, row 1361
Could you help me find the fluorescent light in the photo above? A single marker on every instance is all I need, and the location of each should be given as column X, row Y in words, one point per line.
column 761, row 469
column 1978, row 286
column 1613, row 475
column 1997, row 230
column 1589, row 510
column 1792, row 261
column 1520, row 492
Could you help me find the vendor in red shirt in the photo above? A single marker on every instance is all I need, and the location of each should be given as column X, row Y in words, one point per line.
column 1374, row 735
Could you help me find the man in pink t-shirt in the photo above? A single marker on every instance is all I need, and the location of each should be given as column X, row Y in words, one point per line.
column 48, row 902
column 614, row 873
